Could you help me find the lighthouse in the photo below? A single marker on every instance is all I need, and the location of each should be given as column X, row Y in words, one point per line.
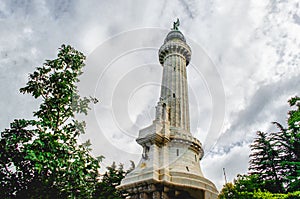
column 170, row 162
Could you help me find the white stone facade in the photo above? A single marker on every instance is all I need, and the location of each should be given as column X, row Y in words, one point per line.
column 170, row 163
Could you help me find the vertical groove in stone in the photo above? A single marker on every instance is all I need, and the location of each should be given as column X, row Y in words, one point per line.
column 167, row 77
column 173, row 91
column 176, row 92
column 187, row 115
column 185, row 95
column 182, row 96
column 163, row 86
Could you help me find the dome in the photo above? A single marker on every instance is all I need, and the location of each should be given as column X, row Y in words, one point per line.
column 174, row 34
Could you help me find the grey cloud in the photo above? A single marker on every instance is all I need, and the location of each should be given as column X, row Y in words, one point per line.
column 189, row 7
column 296, row 19
column 261, row 109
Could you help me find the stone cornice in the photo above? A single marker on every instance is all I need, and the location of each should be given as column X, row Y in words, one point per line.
column 175, row 47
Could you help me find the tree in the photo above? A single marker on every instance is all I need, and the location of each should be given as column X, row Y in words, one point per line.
column 42, row 158
column 106, row 188
column 247, row 183
column 248, row 187
column 228, row 191
column 265, row 162
column 243, row 186
column 288, row 147
column 294, row 134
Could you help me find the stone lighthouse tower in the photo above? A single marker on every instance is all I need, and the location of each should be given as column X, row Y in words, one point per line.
column 170, row 163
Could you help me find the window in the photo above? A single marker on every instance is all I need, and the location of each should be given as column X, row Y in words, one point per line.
column 177, row 151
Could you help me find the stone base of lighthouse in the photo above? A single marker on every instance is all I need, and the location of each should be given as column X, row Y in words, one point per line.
column 169, row 167
column 181, row 187
column 157, row 190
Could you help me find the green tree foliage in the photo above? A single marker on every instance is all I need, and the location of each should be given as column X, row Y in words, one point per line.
column 276, row 156
column 247, row 183
column 228, row 191
column 42, row 158
column 265, row 163
column 294, row 134
column 288, row 140
column 248, row 187
column 15, row 169
column 243, row 187
column 106, row 188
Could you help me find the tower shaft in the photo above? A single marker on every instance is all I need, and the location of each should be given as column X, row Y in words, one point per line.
column 174, row 90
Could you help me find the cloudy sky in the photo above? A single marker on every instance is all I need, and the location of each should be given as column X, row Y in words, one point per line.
column 244, row 68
